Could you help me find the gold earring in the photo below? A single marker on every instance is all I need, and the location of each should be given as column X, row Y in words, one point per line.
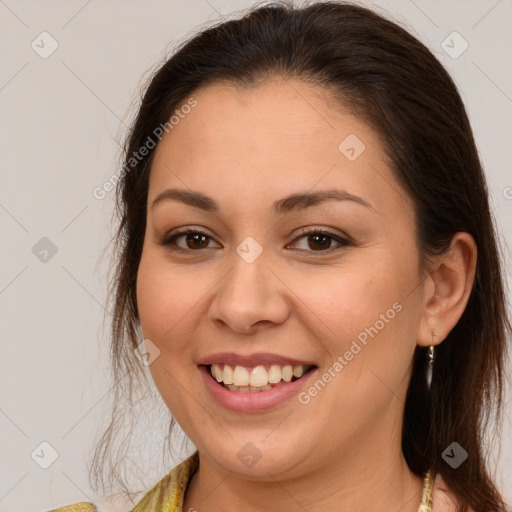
column 430, row 364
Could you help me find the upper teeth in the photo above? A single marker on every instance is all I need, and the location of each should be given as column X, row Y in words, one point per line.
column 257, row 376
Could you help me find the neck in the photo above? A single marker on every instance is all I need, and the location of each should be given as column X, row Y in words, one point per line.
column 383, row 482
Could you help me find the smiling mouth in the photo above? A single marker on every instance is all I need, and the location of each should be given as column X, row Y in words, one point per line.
column 258, row 378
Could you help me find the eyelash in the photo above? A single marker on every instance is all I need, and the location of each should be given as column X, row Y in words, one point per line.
column 303, row 232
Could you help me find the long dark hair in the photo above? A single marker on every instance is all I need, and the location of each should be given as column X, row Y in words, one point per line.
column 394, row 83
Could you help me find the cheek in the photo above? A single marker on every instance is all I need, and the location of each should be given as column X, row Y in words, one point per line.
column 364, row 320
column 152, row 295
column 163, row 301
column 165, row 305
column 166, row 298
column 359, row 318
column 343, row 304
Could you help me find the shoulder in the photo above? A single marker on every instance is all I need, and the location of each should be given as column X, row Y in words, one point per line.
column 76, row 507
column 171, row 489
column 443, row 498
column 113, row 503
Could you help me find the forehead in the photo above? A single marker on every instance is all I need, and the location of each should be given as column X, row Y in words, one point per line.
column 228, row 117
column 271, row 137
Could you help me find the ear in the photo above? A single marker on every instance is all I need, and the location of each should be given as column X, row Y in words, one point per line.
column 447, row 289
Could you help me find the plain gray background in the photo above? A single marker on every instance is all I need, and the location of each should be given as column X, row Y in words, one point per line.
column 60, row 118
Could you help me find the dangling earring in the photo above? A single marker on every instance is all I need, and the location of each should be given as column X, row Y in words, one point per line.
column 430, row 363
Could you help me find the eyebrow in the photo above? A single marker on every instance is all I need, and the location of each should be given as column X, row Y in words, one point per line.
column 294, row 202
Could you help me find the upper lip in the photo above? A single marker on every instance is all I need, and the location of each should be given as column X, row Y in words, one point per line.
column 262, row 358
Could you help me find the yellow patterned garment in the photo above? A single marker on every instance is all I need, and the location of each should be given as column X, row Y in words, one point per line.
column 168, row 494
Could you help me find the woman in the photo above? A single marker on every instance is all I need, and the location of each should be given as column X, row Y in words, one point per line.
column 306, row 247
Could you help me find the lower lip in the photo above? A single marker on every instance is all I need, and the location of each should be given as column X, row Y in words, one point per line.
column 255, row 401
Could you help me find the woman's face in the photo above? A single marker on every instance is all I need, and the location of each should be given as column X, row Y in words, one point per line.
column 257, row 290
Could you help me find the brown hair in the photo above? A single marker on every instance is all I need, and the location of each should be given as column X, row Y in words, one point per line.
column 394, row 83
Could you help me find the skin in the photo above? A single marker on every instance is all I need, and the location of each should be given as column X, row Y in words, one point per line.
column 247, row 148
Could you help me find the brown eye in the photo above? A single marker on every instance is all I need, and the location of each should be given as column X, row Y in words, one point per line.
column 194, row 240
column 320, row 241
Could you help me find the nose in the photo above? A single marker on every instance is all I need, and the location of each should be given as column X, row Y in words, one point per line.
column 249, row 297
